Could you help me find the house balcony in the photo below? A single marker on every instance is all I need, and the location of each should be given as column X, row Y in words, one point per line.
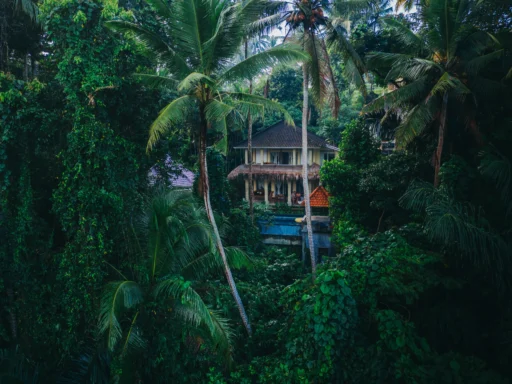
column 277, row 183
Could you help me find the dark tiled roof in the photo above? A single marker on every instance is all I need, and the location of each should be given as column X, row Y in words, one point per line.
column 282, row 135
column 275, row 171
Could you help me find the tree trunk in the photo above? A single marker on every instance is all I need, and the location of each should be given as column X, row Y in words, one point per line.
column 267, row 88
column 440, row 140
column 380, row 220
column 25, row 67
column 249, row 146
column 209, row 211
column 307, row 205
column 249, row 149
column 33, row 68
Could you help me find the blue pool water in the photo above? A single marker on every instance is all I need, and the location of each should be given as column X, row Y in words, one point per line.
column 280, row 225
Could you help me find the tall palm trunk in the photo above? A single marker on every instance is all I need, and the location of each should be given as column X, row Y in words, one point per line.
column 249, row 149
column 205, row 187
column 305, row 170
column 249, row 146
column 440, row 139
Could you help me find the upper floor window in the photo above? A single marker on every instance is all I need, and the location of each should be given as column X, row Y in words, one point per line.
column 280, row 157
column 328, row 156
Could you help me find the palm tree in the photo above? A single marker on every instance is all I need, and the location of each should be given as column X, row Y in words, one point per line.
column 437, row 69
column 202, row 39
column 308, row 19
column 175, row 242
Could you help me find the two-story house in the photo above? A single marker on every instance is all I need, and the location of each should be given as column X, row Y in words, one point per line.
column 277, row 167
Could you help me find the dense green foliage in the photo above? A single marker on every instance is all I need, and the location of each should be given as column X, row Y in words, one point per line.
column 106, row 278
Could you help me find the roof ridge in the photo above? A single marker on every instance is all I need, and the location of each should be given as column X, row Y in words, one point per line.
column 281, row 135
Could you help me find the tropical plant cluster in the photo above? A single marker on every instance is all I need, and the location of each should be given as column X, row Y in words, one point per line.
column 108, row 275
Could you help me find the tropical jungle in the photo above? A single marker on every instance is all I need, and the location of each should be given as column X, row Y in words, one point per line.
column 132, row 252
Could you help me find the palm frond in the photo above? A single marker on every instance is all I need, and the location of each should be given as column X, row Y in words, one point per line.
column 211, row 262
column 414, row 69
column 116, row 296
column 28, row 7
column 14, row 368
column 315, row 67
column 227, row 38
column 174, row 113
column 347, row 8
column 253, row 10
column 498, row 169
column 406, row 4
column 419, row 196
column 415, row 122
column 337, row 40
column 449, row 83
column 509, row 74
column 133, row 339
column 399, row 97
column 266, row 104
column 174, row 227
column 220, row 339
column 256, row 64
column 92, row 365
column 478, row 63
column 193, row 79
column 217, row 111
column 191, row 307
column 238, row 259
column 155, row 80
column 220, row 126
column 264, row 24
column 188, row 24
column 376, row 60
column 162, row 8
column 453, row 224
column 412, row 42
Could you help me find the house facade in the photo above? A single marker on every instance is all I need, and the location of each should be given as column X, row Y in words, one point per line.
column 277, row 166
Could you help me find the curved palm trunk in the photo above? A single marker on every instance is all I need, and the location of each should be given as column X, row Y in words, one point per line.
column 205, row 184
column 305, row 171
column 440, row 140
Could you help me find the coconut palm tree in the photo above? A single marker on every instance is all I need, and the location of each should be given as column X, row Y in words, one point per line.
column 307, row 20
column 175, row 243
column 198, row 50
column 435, row 70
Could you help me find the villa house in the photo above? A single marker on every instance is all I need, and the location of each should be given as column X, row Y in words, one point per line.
column 277, row 167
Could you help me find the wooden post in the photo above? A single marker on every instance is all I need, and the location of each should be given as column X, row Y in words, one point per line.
column 265, row 188
column 294, row 157
column 246, row 157
column 247, row 190
column 261, row 157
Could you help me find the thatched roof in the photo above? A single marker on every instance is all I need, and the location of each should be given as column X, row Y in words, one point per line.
column 282, row 135
column 275, row 171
